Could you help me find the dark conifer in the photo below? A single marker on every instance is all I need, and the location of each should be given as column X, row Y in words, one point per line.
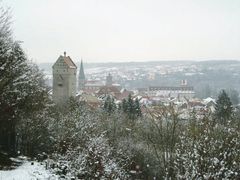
column 137, row 108
column 223, row 107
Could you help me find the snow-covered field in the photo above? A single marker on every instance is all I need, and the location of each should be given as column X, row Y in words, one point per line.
column 27, row 172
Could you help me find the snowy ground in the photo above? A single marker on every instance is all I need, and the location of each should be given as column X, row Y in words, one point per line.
column 27, row 172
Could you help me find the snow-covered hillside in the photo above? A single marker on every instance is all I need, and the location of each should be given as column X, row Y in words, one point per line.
column 27, row 171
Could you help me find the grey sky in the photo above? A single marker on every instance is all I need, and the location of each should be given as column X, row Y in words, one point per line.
column 128, row 30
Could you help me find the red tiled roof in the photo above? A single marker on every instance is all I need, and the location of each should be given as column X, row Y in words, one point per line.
column 109, row 90
column 69, row 62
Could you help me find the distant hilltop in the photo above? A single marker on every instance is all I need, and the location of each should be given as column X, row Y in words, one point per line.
column 47, row 66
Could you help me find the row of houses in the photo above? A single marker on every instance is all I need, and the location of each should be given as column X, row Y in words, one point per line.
column 65, row 85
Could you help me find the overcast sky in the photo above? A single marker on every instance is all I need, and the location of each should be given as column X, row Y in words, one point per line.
column 127, row 30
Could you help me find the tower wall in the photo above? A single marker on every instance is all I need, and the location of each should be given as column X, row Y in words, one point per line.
column 64, row 81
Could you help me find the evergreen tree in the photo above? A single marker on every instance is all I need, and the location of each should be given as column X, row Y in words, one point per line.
column 109, row 105
column 138, row 111
column 234, row 96
column 124, row 105
column 223, row 107
column 131, row 107
column 22, row 87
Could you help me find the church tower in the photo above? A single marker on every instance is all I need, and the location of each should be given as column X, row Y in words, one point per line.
column 64, row 79
column 81, row 78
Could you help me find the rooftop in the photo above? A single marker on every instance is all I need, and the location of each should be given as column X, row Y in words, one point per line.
column 67, row 60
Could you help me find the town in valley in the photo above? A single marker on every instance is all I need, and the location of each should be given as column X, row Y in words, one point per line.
column 119, row 90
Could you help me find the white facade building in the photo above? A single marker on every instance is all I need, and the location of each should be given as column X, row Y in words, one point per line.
column 176, row 92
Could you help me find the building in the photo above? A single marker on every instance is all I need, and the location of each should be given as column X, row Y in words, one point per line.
column 90, row 100
column 64, row 79
column 81, row 78
column 97, row 87
column 91, row 87
column 109, row 90
column 179, row 92
column 170, row 91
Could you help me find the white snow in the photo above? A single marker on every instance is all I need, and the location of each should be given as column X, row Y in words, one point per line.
column 27, row 172
column 209, row 99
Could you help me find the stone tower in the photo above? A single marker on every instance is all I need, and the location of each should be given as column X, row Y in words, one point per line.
column 64, row 79
column 81, row 78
